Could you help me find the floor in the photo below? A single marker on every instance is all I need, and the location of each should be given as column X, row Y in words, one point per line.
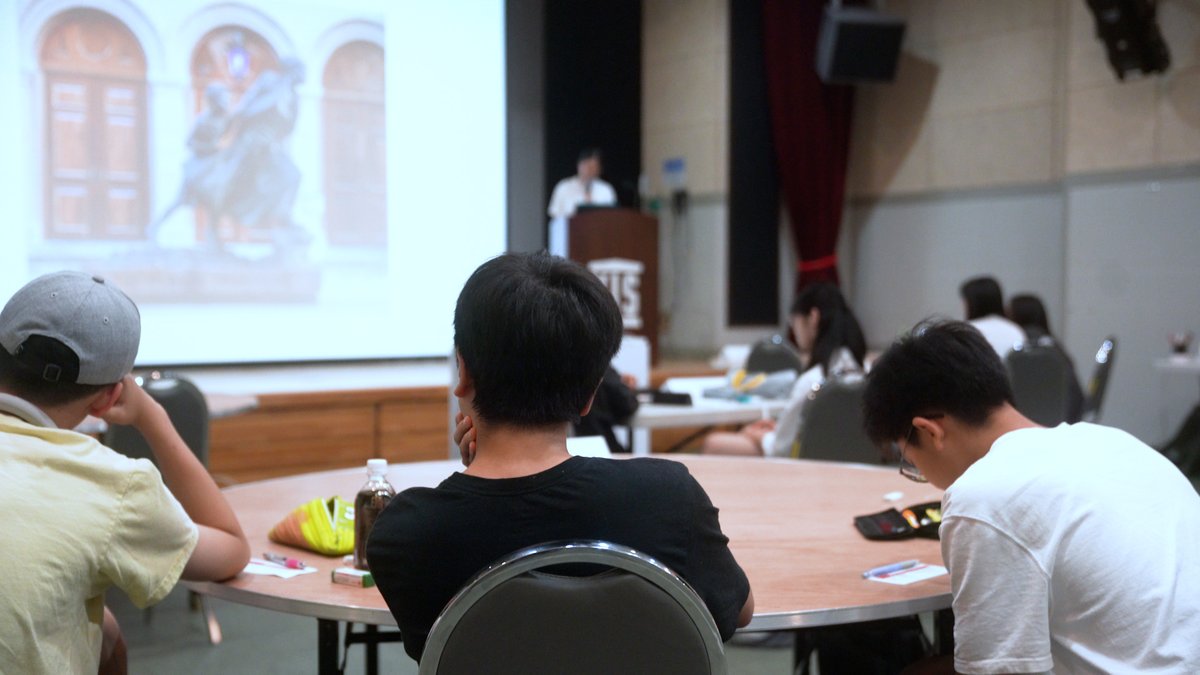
column 261, row 641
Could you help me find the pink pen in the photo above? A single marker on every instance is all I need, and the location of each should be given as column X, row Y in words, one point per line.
column 284, row 560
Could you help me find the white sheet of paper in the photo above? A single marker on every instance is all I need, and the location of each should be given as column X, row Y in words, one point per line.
column 911, row 575
column 260, row 566
column 588, row 446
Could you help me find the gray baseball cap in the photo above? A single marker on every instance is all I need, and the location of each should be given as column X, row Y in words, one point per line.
column 96, row 323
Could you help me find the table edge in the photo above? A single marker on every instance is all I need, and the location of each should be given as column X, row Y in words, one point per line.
column 317, row 610
column 781, row 621
column 774, row 621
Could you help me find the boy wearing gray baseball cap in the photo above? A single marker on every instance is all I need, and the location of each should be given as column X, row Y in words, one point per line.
column 80, row 517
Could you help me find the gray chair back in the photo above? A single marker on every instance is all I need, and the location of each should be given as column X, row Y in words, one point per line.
column 773, row 354
column 634, row 615
column 833, row 424
column 1040, row 376
column 185, row 405
column 1098, row 384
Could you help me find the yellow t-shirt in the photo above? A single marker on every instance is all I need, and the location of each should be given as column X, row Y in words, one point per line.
column 76, row 518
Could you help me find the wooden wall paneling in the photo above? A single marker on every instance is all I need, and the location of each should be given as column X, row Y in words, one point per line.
column 294, row 433
column 301, row 432
column 412, row 431
column 414, row 426
column 292, row 440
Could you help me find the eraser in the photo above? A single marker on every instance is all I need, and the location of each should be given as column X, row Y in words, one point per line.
column 352, row 577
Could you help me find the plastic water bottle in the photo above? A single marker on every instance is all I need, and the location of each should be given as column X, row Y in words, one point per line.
column 370, row 502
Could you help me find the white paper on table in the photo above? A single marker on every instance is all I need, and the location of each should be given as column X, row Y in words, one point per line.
column 911, row 575
column 260, row 566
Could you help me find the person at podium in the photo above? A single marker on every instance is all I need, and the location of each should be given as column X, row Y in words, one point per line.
column 584, row 188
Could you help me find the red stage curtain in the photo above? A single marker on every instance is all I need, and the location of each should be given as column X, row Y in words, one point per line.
column 810, row 122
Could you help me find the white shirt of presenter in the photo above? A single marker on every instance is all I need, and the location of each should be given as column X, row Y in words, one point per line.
column 571, row 192
column 585, row 187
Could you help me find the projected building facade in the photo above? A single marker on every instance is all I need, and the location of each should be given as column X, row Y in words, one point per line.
column 116, row 88
column 114, row 110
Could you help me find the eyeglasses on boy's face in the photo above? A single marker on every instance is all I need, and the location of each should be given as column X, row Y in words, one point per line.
column 907, row 468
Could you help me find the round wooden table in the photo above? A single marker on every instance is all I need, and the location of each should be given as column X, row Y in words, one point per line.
column 789, row 522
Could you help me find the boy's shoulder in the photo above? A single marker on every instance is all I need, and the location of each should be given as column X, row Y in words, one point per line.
column 650, row 478
column 637, row 468
column 644, row 473
column 79, row 455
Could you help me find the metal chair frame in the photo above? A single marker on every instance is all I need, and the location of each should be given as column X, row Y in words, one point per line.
column 1098, row 384
column 551, row 554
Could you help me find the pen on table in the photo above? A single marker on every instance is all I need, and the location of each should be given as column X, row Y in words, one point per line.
column 283, row 560
column 888, row 569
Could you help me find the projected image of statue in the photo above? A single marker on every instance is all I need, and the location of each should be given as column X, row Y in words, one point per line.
column 207, row 172
column 263, row 179
column 240, row 167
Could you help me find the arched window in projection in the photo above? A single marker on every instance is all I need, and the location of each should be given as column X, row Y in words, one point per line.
column 95, row 119
column 232, row 58
column 355, row 146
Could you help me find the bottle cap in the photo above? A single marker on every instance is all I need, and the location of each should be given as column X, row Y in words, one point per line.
column 377, row 467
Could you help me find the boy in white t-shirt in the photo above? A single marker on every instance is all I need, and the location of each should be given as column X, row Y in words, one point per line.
column 1071, row 549
column 79, row 517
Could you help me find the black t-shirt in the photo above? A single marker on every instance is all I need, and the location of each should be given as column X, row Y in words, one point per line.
column 431, row 541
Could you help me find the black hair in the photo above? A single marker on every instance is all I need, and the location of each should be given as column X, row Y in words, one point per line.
column 536, row 333
column 1027, row 311
column 983, row 297
column 590, row 153
column 25, row 380
column 940, row 367
column 837, row 327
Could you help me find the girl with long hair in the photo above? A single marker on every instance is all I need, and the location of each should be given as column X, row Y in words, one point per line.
column 825, row 329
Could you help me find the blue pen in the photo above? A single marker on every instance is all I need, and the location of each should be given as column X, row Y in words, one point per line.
column 888, row 569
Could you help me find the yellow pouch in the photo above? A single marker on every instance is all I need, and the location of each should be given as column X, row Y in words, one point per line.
column 322, row 525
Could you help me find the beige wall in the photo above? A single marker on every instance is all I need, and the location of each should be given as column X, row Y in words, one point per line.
column 1140, row 123
column 989, row 93
column 685, row 92
column 1020, row 92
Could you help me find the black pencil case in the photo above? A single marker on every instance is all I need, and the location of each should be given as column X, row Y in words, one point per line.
column 918, row 520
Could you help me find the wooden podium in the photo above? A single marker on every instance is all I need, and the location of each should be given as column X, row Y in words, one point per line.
column 620, row 246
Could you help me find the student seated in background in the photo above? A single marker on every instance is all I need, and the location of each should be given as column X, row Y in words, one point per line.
column 1028, row 312
column 827, row 331
column 983, row 304
column 614, row 403
column 534, row 334
column 79, row 517
column 1070, row 549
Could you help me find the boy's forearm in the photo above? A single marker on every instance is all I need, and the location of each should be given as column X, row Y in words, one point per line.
column 185, row 476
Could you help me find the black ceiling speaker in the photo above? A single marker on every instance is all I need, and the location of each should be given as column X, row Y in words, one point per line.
column 857, row 44
column 1129, row 29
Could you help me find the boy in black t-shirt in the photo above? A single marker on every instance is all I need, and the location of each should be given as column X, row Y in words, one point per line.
column 534, row 335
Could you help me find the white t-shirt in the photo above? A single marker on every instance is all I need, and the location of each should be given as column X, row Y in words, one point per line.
column 76, row 518
column 1073, row 549
column 779, row 443
column 569, row 193
column 1000, row 333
